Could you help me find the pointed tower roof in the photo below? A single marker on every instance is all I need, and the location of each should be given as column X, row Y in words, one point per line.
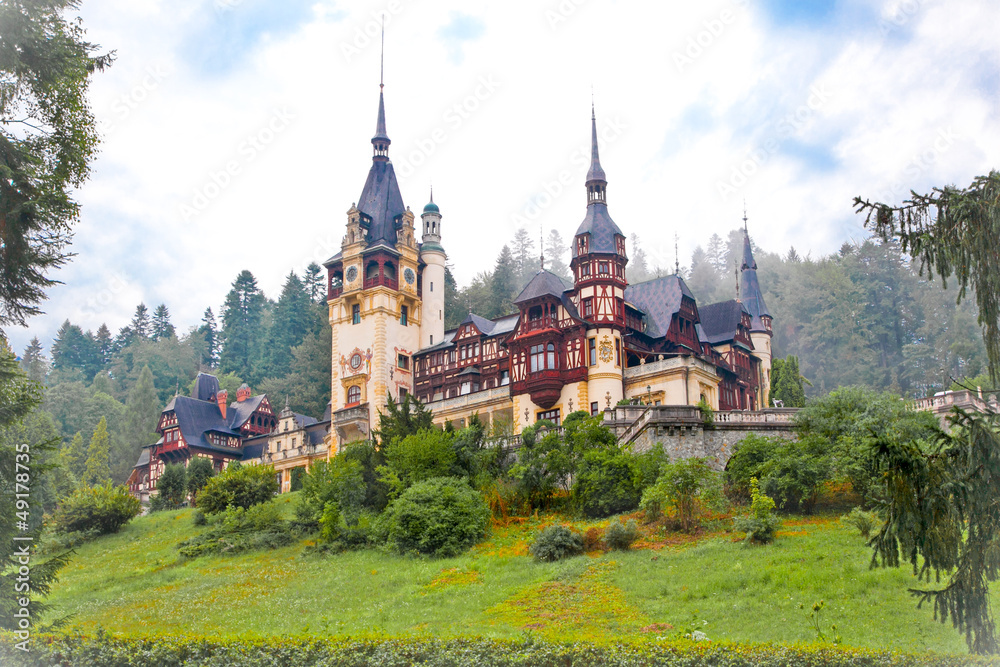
column 381, row 202
column 595, row 173
column 598, row 222
column 750, row 294
column 545, row 283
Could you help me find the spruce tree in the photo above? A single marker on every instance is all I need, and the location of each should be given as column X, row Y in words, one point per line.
column 140, row 326
column 555, row 255
column 98, row 470
column 292, row 321
column 210, row 331
column 33, row 361
column 525, row 257
column 637, row 269
column 105, row 344
column 503, row 284
column 75, row 455
column 161, row 326
column 314, row 283
column 242, row 324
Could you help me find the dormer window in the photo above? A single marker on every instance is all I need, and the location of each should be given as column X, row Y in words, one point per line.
column 602, row 268
column 581, row 245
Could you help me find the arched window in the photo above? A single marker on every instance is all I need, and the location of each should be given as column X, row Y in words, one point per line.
column 354, row 395
column 550, row 356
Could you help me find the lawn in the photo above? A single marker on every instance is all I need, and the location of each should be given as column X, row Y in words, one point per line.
column 135, row 583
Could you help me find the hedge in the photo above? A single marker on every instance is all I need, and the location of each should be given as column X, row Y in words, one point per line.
column 106, row 651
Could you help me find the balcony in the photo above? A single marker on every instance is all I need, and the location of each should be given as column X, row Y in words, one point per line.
column 381, row 281
column 540, row 324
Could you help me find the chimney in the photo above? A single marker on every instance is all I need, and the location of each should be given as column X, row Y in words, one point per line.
column 222, row 397
column 243, row 393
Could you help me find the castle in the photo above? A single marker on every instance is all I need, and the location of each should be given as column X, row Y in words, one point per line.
column 586, row 346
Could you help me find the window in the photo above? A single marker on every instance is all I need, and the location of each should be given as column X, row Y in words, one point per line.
column 504, row 378
column 602, row 268
column 588, row 307
column 403, row 312
column 550, row 356
column 432, row 285
column 403, row 361
column 585, row 270
column 403, row 392
column 592, row 351
column 451, row 357
column 354, row 395
column 356, row 313
column 432, row 339
column 293, row 443
column 551, row 415
column 537, row 358
column 594, row 407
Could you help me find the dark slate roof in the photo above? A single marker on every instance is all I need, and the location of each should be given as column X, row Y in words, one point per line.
column 317, row 432
column 381, row 203
column 720, row 320
column 545, row 283
column 503, row 325
column 254, row 448
column 335, row 258
column 380, row 134
column 659, row 299
column 484, row 325
column 205, row 387
column 470, row 370
column 443, row 345
column 196, row 418
column 239, row 411
column 601, row 227
column 143, row 459
column 750, row 292
column 301, row 421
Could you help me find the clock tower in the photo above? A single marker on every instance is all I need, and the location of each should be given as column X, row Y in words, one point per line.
column 374, row 294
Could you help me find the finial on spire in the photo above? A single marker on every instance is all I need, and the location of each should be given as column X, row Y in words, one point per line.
column 596, row 180
column 745, row 215
column 381, row 73
column 677, row 255
column 432, row 193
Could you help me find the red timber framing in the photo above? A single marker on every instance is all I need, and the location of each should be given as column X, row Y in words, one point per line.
column 473, row 361
column 547, row 350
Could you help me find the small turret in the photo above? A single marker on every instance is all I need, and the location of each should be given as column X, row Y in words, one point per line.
column 431, row 218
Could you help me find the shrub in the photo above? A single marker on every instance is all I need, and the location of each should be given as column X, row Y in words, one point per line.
column 171, row 488
column 707, row 413
column 864, row 521
column 555, row 543
column 796, row 472
column 238, row 529
column 418, row 457
column 199, row 471
column 750, row 456
column 593, row 539
column 443, row 516
column 761, row 524
column 340, row 482
column 199, row 518
column 620, row 536
column 242, row 486
column 679, row 486
column 102, row 509
column 369, row 458
column 647, row 466
column 605, row 484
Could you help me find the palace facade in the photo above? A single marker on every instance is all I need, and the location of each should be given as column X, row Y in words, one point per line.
column 582, row 346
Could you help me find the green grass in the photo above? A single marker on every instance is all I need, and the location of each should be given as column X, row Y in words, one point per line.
column 134, row 583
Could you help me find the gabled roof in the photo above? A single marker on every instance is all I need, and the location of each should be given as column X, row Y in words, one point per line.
column 720, row 321
column 239, row 411
column 602, row 230
column 196, row 418
column 206, row 386
column 659, row 299
column 143, row 458
column 484, row 325
column 545, row 283
column 449, row 336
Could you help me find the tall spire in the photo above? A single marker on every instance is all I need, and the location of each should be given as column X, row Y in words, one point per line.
column 749, row 287
column 381, row 140
column 596, row 181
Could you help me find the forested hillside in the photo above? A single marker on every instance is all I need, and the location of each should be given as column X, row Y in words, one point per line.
column 861, row 316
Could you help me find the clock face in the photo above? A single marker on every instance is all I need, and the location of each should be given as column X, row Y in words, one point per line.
column 409, row 276
column 352, row 274
column 355, row 361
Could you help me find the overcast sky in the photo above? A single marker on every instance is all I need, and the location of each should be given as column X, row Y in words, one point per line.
column 237, row 132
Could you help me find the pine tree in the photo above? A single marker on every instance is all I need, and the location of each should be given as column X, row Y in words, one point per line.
column 786, row 383
column 292, row 321
column 210, row 331
column 525, row 257
column 75, row 351
column 33, row 361
column 503, row 284
column 143, row 412
column 242, row 328
column 105, row 344
column 637, row 270
column 454, row 309
column 555, row 255
column 75, row 455
column 140, row 324
column 314, row 283
column 98, row 470
column 716, row 255
column 161, row 327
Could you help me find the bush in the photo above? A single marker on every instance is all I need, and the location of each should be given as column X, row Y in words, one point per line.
column 242, row 486
column 443, row 516
column 340, row 482
column 237, row 529
column 761, row 524
column 864, row 521
column 102, row 509
column 620, row 536
column 593, row 539
column 750, row 456
column 795, row 474
column 369, row 458
column 605, row 484
column 199, row 471
column 171, row 488
column 647, row 466
column 555, row 543
column 679, row 486
column 416, row 458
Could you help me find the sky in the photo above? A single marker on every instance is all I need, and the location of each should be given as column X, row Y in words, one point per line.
column 237, row 132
